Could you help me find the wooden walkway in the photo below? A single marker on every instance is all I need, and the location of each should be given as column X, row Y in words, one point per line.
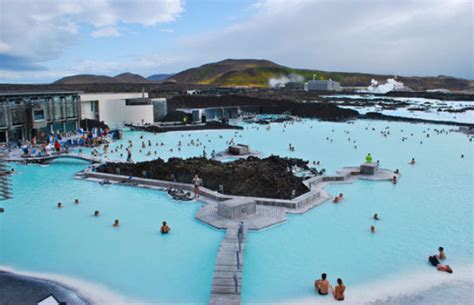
column 227, row 280
column 46, row 159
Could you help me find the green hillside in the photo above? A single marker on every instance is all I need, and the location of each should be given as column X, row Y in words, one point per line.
column 257, row 73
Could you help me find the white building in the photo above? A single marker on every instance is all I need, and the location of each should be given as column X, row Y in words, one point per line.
column 322, row 85
column 116, row 109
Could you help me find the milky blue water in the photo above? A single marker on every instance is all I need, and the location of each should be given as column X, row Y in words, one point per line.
column 134, row 260
column 432, row 205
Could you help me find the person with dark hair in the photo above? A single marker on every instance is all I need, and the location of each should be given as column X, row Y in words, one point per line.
column 338, row 292
column 165, row 229
column 441, row 254
column 435, row 263
column 322, row 285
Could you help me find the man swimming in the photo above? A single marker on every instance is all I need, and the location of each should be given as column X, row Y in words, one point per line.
column 435, row 262
column 322, row 285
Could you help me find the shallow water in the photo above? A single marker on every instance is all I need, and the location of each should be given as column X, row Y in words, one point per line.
column 430, row 206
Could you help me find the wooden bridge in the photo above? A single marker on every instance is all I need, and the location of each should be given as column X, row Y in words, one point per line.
column 47, row 159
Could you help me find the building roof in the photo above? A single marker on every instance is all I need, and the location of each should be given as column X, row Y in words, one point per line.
column 19, row 93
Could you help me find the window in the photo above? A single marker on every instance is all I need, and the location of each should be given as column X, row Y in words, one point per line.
column 38, row 115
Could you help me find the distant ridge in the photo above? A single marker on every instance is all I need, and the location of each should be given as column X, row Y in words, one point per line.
column 129, row 78
column 258, row 73
column 159, row 77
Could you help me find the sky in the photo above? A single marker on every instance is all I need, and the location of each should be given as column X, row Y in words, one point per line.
column 44, row 40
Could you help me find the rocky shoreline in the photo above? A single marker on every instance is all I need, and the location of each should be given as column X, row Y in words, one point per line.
column 19, row 289
column 393, row 118
column 270, row 177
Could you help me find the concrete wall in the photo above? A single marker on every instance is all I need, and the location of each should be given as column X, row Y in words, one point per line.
column 114, row 112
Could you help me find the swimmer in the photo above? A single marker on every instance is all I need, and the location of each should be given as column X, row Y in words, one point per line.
column 397, row 171
column 376, row 216
column 338, row 292
column 60, row 205
column 341, row 196
column 372, row 229
column 164, row 228
column 412, row 162
column 76, row 201
column 441, row 254
column 322, row 285
column 96, row 213
column 394, row 179
column 116, row 223
column 435, row 263
column 335, row 200
column 462, row 156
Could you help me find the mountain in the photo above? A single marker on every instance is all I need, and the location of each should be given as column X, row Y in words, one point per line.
column 159, row 77
column 127, row 77
column 130, row 78
column 258, row 73
column 217, row 73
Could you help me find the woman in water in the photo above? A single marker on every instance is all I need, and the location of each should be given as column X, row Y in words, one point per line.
column 116, row 223
column 335, row 200
column 412, row 162
column 96, row 213
column 394, row 179
column 60, row 205
column 372, row 229
column 338, row 292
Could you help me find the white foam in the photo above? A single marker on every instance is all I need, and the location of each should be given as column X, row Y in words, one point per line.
column 391, row 288
column 95, row 293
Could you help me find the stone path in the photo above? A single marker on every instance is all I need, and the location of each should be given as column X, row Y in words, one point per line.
column 224, row 290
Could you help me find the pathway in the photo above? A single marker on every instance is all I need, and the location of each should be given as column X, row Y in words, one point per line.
column 227, row 279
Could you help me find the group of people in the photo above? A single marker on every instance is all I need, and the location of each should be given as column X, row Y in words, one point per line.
column 323, row 287
column 165, row 229
column 435, row 261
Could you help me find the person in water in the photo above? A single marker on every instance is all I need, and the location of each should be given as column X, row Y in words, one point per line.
column 116, row 223
column 376, row 216
column 76, row 201
column 397, row 171
column 60, row 205
column 435, row 263
column 368, row 158
column 441, row 254
column 372, row 229
column 412, row 162
column 338, row 291
column 336, row 200
column 394, row 179
column 96, row 213
column 341, row 196
column 322, row 285
column 165, row 229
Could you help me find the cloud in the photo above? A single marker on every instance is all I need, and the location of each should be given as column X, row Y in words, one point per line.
column 108, row 31
column 40, row 30
column 410, row 37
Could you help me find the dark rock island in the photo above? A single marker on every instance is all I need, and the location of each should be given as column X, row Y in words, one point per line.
column 269, row 177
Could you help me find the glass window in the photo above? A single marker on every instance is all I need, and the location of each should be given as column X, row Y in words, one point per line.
column 38, row 115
